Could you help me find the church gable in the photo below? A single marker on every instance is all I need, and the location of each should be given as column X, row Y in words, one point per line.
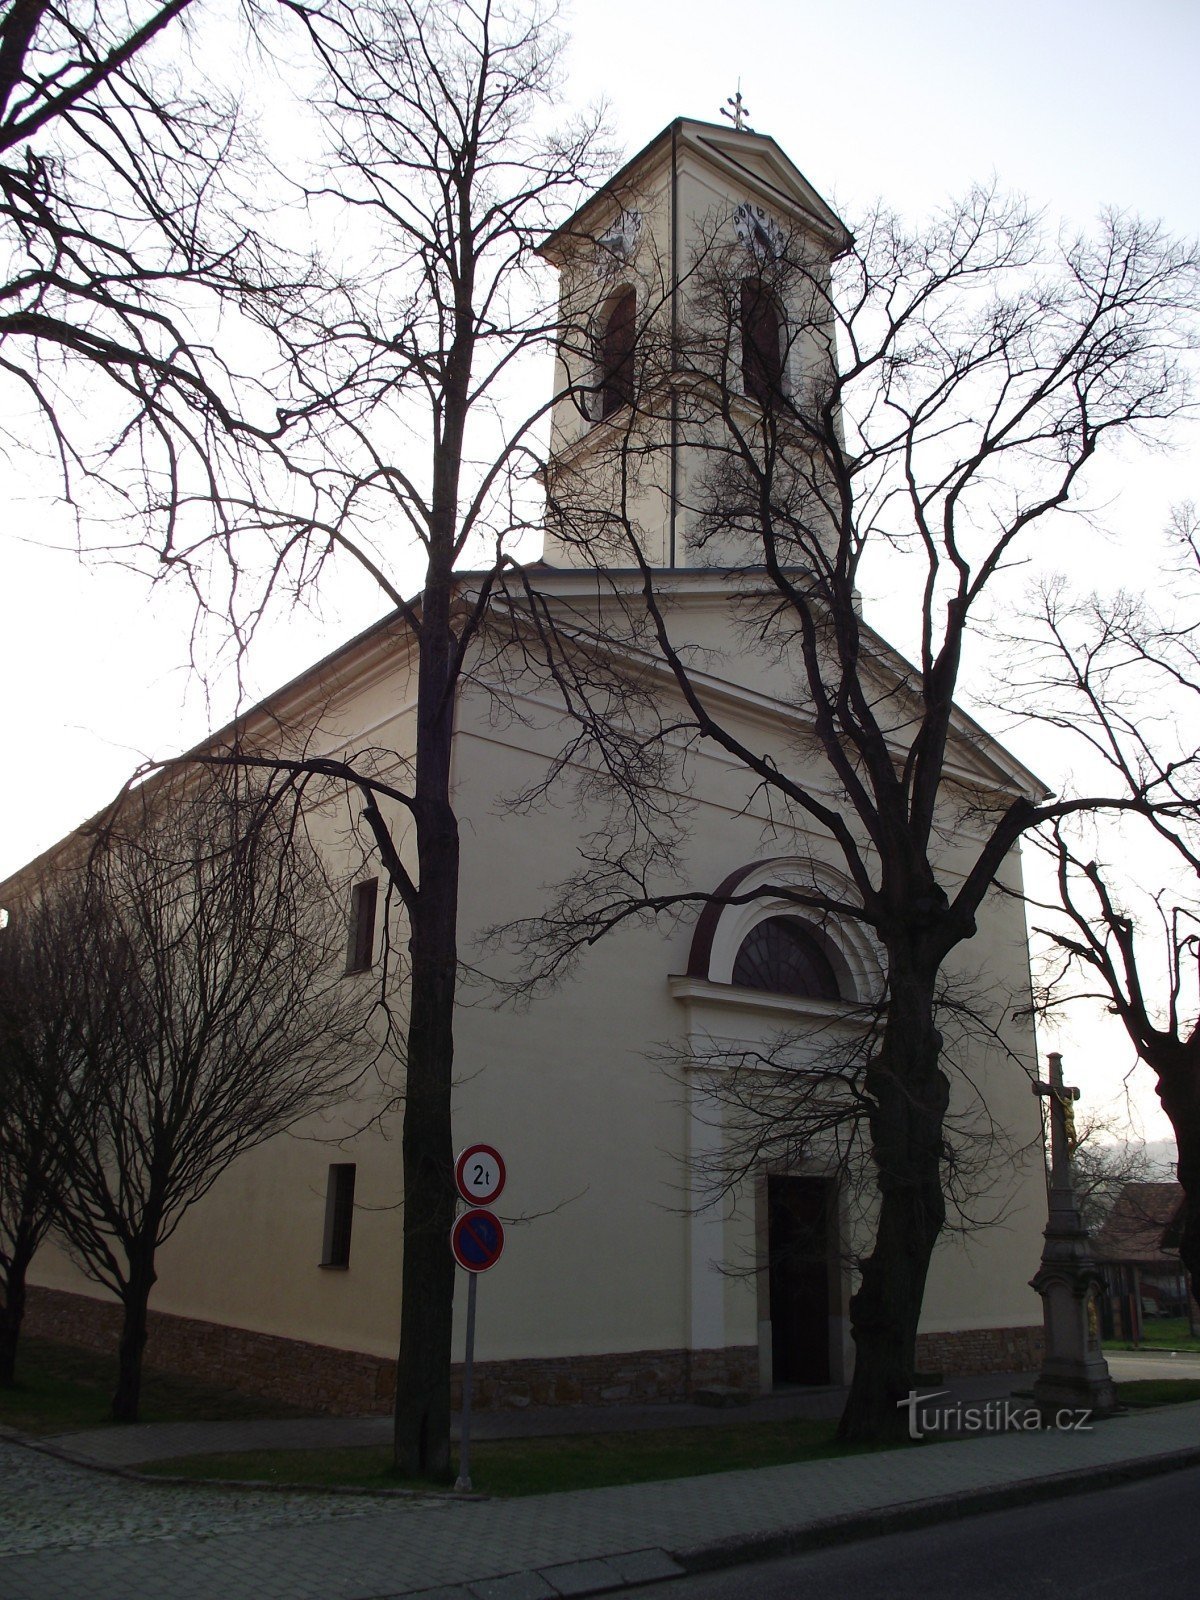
column 756, row 162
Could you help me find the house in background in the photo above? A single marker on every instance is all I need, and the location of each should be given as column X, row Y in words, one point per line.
column 1137, row 1246
column 625, row 1274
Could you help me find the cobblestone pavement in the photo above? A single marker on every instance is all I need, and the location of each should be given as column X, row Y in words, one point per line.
column 50, row 1505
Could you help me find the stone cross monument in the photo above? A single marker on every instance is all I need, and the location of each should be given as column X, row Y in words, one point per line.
column 1074, row 1372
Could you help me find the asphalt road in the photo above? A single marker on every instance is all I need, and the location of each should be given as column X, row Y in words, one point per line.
column 1127, row 1364
column 1142, row 1539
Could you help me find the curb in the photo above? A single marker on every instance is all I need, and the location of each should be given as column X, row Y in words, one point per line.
column 913, row 1514
column 617, row 1573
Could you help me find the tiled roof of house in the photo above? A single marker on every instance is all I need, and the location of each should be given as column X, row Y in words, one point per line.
column 1134, row 1228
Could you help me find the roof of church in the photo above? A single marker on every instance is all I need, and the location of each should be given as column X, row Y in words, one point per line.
column 754, row 157
column 354, row 656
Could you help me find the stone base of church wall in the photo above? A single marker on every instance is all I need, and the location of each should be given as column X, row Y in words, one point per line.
column 975, row 1350
column 348, row 1383
column 620, row 1379
column 314, row 1376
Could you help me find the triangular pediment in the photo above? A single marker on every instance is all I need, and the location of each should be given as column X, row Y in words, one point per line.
column 757, row 160
column 975, row 760
column 751, row 160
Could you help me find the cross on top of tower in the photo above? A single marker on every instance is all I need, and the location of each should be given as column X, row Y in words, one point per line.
column 740, row 113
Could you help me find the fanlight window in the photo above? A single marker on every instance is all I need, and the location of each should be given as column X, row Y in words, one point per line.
column 615, row 352
column 781, row 956
column 762, row 343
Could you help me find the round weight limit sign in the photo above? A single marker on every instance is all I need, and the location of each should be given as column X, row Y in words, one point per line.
column 479, row 1174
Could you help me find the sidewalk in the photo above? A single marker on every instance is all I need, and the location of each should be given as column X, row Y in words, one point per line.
column 159, row 1441
column 575, row 1543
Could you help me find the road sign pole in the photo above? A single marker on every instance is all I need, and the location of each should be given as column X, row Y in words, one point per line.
column 477, row 1240
column 463, row 1481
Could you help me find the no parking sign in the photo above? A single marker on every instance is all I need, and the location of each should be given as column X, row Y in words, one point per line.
column 477, row 1240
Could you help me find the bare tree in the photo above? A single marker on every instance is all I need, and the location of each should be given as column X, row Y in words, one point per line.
column 443, row 175
column 39, row 997
column 129, row 220
column 925, row 401
column 1122, row 683
column 204, row 1012
column 1103, row 1161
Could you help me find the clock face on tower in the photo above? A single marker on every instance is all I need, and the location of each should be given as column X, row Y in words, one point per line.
column 619, row 244
column 758, row 231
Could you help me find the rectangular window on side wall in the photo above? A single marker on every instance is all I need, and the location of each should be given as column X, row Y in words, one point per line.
column 339, row 1214
column 360, row 947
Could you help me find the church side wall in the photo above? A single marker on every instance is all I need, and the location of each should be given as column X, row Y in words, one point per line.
column 248, row 1254
column 980, row 1272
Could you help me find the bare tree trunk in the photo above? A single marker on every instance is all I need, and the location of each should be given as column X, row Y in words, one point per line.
column 422, row 1417
column 12, row 1313
column 1189, row 1239
column 1179, row 1091
column 132, row 1348
column 911, row 1094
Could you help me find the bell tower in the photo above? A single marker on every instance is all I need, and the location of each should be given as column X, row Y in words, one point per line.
column 693, row 298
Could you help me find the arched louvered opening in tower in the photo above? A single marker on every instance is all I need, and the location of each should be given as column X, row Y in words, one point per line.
column 615, row 352
column 762, row 328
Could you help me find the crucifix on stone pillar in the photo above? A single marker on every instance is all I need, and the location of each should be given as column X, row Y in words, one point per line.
column 1062, row 1123
column 1074, row 1373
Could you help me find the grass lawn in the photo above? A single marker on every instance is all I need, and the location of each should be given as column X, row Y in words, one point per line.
column 587, row 1461
column 60, row 1389
column 1158, row 1391
column 542, row 1466
column 1167, row 1333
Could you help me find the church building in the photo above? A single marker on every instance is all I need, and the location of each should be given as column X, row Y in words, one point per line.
column 667, row 1231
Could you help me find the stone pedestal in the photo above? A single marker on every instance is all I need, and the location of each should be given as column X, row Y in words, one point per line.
column 1074, row 1372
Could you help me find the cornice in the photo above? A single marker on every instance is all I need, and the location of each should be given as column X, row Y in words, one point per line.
column 839, row 1014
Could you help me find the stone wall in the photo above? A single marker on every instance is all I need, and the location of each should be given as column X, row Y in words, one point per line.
column 314, row 1376
column 639, row 1375
column 344, row 1382
column 976, row 1350
column 347, row 1383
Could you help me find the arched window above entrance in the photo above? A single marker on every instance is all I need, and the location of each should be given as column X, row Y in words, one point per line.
column 781, row 955
column 762, row 949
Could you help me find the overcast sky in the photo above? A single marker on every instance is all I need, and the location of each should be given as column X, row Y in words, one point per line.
column 1079, row 105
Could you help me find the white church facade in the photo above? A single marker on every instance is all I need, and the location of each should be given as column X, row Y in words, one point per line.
column 652, row 1250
